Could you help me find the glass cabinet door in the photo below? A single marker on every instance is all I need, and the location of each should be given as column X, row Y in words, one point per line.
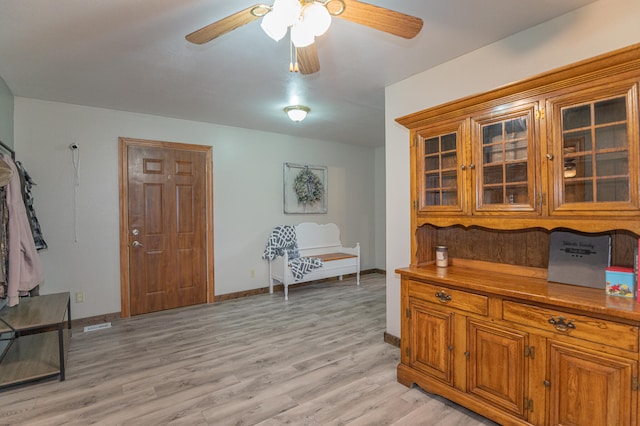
column 504, row 160
column 593, row 149
column 439, row 182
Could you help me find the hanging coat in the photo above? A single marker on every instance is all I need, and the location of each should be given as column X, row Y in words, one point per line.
column 25, row 270
column 26, row 182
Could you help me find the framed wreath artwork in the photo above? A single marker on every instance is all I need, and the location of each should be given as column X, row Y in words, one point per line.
column 305, row 188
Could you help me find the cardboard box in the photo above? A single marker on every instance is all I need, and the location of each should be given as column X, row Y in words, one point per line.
column 620, row 281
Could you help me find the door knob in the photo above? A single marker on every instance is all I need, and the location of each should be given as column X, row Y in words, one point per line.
column 137, row 244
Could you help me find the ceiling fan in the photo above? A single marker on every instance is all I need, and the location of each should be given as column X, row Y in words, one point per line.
column 307, row 19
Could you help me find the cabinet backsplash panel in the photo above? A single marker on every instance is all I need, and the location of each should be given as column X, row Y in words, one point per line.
column 527, row 247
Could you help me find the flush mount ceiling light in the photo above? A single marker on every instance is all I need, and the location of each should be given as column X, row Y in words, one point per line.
column 305, row 20
column 297, row 112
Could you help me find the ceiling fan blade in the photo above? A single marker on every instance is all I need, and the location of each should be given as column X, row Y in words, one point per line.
column 382, row 19
column 223, row 26
column 308, row 61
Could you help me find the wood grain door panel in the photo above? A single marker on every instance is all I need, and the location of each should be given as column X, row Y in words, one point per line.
column 431, row 341
column 497, row 368
column 166, row 225
column 586, row 388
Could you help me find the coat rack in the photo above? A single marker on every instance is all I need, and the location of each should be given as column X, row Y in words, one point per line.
column 8, row 149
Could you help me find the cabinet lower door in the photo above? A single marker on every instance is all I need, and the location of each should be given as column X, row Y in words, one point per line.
column 590, row 388
column 431, row 340
column 497, row 367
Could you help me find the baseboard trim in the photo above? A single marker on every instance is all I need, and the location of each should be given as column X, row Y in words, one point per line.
column 239, row 294
column 112, row 317
column 391, row 339
column 280, row 287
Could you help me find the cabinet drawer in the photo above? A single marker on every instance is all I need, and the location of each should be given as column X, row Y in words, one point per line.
column 596, row 330
column 456, row 299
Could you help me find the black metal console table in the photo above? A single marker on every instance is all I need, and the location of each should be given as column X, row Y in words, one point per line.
column 39, row 342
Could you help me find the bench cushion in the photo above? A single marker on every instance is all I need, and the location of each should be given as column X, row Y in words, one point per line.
column 333, row 256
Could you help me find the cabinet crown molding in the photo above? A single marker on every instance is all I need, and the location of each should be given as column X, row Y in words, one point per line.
column 612, row 63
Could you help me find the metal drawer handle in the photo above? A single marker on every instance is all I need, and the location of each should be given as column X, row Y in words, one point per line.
column 561, row 325
column 442, row 296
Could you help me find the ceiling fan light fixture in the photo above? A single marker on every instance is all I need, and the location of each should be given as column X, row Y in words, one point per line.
column 301, row 34
column 273, row 26
column 287, row 10
column 297, row 112
column 317, row 18
column 283, row 14
column 334, row 7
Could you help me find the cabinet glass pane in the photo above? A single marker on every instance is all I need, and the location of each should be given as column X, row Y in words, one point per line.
column 577, row 142
column 431, row 146
column 449, row 179
column 610, row 111
column 449, row 160
column 432, row 198
column 516, row 150
column 515, row 172
column 440, row 184
column 612, row 189
column 611, row 137
column 492, row 175
column 449, row 142
column 492, row 154
column 492, row 133
column 516, row 194
column 431, row 163
column 579, row 167
column 576, row 118
column 579, row 191
column 595, row 152
column 449, row 198
column 432, row 180
column 611, row 164
column 493, row 195
column 515, row 129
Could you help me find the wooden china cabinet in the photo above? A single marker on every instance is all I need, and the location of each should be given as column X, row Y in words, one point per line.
column 492, row 176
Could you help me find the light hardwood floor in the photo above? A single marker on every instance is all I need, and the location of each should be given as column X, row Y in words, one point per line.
column 318, row 359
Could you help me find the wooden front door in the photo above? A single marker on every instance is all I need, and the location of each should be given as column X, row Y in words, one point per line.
column 166, row 221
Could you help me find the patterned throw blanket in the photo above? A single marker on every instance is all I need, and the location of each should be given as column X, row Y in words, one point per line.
column 283, row 238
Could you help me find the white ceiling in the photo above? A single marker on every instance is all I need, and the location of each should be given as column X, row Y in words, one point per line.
column 131, row 55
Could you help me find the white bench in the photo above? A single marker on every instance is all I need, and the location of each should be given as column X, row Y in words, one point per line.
column 322, row 241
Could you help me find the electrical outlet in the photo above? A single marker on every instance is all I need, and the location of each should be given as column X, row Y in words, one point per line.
column 79, row 296
column 252, row 274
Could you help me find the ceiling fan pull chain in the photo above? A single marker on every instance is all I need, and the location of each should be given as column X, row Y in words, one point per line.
column 290, row 56
column 293, row 65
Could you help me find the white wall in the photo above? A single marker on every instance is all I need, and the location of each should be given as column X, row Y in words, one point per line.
column 600, row 27
column 6, row 114
column 248, row 200
column 380, row 209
